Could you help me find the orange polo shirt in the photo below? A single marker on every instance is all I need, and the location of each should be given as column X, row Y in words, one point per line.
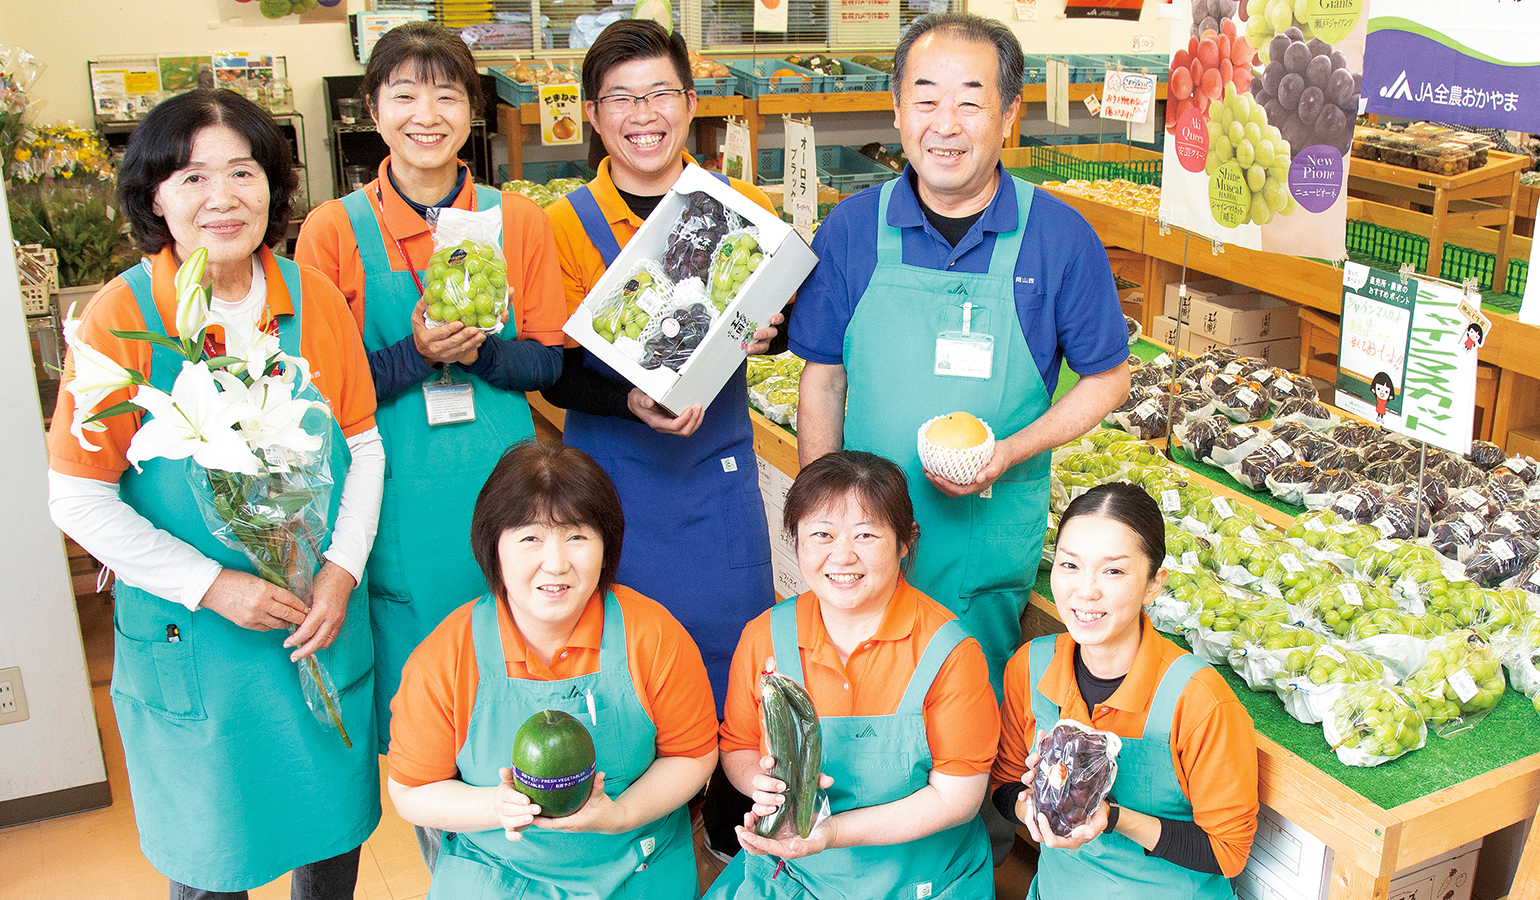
column 431, row 713
column 1213, row 743
column 962, row 722
column 581, row 264
column 338, row 365
column 327, row 242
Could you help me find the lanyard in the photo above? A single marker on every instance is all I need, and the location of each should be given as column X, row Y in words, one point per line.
column 379, row 197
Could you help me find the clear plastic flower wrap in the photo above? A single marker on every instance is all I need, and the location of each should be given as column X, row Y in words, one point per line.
column 735, row 260
column 1076, row 768
column 623, row 317
column 1372, row 724
column 1459, row 682
column 1486, row 455
column 1497, row 557
column 467, row 278
column 1312, row 678
column 1258, row 650
column 693, row 240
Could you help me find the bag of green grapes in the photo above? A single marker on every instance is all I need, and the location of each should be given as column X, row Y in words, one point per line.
column 736, row 257
column 1312, row 679
column 1372, row 724
column 467, row 278
column 1459, row 683
column 622, row 317
column 1260, row 649
column 1520, row 652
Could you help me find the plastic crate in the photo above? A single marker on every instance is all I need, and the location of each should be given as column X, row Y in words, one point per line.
column 861, row 78
column 1034, row 69
column 1518, row 277
column 512, row 92
column 1064, row 166
column 1086, row 69
column 34, row 300
column 716, row 87
column 754, row 78
column 1138, row 63
column 1389, row 248
column 847, row 171
column 561, row 168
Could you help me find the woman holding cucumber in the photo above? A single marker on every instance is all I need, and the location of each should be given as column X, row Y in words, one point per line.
column 451, row 397
column 554, row 632
column 1183, row 811
column 907, row 716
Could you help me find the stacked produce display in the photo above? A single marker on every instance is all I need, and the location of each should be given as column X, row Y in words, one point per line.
column 1351, row 617
column 1143, row 199
column 773, row 382
column 544, row 194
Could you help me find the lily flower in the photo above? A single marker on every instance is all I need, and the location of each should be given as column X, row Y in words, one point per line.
column 192, row 301
column 96, row 376
column 274, row 415
column 194, row 420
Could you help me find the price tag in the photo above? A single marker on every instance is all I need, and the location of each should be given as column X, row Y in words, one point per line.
column 800, row 175
column 1282, row 448
column 1146, row 409
column 1473, row 522
column 1222, row 506
column 1385, row 545
column 1244, row 432
column 1343, row 528
column 1250, row 534
column 1502, row 549
column 1350, row 502
column 1170, row 500
column 1161, row 361
column 1233, row 368
column 1291, row 564
column 1246, row 396
column 735, row 154
column 1077, row 490
column 1314, row 525
column 1190, row 558
column 1507, row 522
column 1351, row 594
column 1331, row 653
column 1385, row 527
column 1192, row 525
column 1464, row 685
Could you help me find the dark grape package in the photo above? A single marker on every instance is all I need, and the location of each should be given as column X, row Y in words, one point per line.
column 1076, row 766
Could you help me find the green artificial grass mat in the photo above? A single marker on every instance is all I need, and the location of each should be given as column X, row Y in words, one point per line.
column 1141, row 348
column 1509, row 733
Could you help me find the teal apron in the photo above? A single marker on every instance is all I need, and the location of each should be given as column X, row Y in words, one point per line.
column 421, row 568
column 873, row 760
column 1113, row 866
column 692, row 504
column 655, row 861
column 233, row 779
column 976, row 556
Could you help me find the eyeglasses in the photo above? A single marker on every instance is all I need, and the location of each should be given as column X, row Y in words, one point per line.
column 666, row 98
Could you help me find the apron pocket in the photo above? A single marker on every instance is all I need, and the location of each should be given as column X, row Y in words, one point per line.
column 158, row 674
column 748, row 533
column 456, row 877
column 1000, row 557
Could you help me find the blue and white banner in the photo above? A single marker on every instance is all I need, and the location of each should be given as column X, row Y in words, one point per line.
column 1472, row 62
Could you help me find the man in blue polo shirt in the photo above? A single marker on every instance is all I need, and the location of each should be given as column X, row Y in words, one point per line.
column 958, row 287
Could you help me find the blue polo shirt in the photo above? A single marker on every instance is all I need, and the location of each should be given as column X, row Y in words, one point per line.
column 1066, row 297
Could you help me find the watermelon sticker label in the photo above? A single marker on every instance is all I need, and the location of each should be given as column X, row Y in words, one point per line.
column 1332, row 20
column 552, row 784
column 1229, row 199
column 1315, row 177
column 1192, row 140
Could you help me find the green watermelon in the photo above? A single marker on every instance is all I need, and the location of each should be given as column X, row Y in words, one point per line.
column 553, row 762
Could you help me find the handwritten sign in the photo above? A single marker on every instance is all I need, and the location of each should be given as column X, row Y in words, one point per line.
column 735, row 154
column 1127, row 96
column 1403, row 357
column 561, row 115
column 801, row 176
column 863, row 22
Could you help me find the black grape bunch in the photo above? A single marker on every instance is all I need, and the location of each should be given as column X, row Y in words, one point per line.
column 1308, row 91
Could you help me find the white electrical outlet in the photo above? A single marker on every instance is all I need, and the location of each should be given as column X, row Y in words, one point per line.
column 13, row 698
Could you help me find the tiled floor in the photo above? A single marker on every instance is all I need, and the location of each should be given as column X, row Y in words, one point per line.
column 95, row 855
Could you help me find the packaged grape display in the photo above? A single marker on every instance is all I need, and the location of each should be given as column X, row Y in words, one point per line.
column 1372, row 724
column 1076, row 768
column 1497, row 557
column 1459, row 683
column 1307, row 411
column 467, row 279
column 1259, row 651
column 1355, row 434
column 1199, row 436
column 689, row 328
column 1254, row 468
column 1520, row 653
column 1361, row 503
column 1486, row 455
column 1403, row 517
column 1455, row 536
column 1338, row 604
column 1312, row 679
column 1524, row 467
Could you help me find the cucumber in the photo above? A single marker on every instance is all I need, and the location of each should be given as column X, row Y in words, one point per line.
column 781, row 737
column 802, row 786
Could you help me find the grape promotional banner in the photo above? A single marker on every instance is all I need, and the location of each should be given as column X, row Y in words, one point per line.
column 1259, row 120
column 1474, row 62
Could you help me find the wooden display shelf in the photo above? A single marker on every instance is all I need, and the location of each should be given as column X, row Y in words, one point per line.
column 1480, row 198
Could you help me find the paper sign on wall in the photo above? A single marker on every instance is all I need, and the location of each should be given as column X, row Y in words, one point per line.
column 770, row 15
column 1405, row 359
column 1058, row 92
column 1127, row 96
column 801, row 176
column 863, row 22
column 735, row 154
column 561, row 114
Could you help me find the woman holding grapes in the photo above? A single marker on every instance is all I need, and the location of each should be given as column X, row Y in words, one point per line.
column 1183, row 810
column 451, row 396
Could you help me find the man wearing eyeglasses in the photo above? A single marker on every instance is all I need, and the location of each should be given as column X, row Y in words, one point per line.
column 696, row 539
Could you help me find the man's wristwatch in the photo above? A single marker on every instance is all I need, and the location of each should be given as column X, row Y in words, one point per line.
column 1112, row 817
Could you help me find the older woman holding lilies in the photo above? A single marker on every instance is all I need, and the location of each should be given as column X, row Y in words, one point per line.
column 234, row 780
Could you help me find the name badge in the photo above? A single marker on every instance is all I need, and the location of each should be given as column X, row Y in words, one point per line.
column 449, row 404
column 965, row 353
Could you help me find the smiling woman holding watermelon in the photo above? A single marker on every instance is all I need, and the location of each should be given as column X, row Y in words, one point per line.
column 568, row 676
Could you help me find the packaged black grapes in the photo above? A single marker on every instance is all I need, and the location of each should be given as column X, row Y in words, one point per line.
column 1486, row 455
column 1403, row 517
column 1524, row 467
column 1372, row 724
column 1289, row 431
column 1253, row 468
column 1473, row 500
column 1522, row 518
column 1360, row 504
column 677, row 330
column 1232, row 445
column 1505, row 488
column 1148, row 419
column 1498, row 557
column 1199, row 436
column 1327, row 485
column 694, row 238
column 1355, row 434
column 1076, row 768
column 1316, row 448
column 622, row 318
column 1135, row 397
column 1289, row 387
column 1306, row 411
column 467, row 278
column 1455, row 535
column 1458, row 474
column 1147, row 376
column 1291, row 481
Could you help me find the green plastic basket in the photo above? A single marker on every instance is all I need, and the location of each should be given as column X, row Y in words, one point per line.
column 1064, row 166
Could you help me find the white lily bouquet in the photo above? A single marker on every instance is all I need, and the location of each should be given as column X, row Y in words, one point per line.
column 263, row 453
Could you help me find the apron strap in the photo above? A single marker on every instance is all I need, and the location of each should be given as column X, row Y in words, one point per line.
column 366, row 232
column 783, row 640
column 165, row 365
column 1045, row 711
column 488, row 197
column 487, row 640
column 1157, row 724
column 289, row 330
column 937, row 651
column 1008, row 243
column 613, row 655
column 890, row 250
column 594, row 224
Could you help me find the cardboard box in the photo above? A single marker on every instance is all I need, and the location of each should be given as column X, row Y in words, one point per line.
column 786, row 263
column 1283, row 353
column 1196, row 290
column 788, row 578
column 1289, row 863
column 1244, row 318
column 1163, row 331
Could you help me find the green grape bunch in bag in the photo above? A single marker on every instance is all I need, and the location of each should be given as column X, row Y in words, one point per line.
column 467, row 278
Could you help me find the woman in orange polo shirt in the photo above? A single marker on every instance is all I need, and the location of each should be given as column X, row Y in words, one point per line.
column 908, row 718
column 1182, row 814
column 423, row 90
column 554, row 632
